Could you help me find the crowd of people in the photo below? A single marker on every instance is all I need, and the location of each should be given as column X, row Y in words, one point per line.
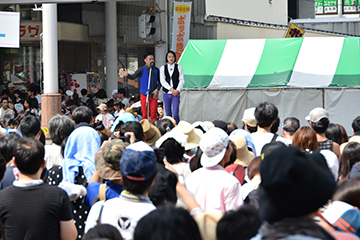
column 115, row 170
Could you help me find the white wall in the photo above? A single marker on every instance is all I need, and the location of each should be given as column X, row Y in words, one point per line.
column 251, row 10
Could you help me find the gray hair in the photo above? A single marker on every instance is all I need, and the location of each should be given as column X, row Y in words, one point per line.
column 60, row 127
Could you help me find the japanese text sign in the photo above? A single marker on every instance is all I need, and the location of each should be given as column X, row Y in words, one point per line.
column 180, row 27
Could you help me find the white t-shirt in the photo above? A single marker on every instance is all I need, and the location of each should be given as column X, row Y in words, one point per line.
column 260, row 139
column 120, row 213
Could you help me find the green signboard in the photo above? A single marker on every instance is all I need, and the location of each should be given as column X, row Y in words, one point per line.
column 326, row 6
column 351, row 6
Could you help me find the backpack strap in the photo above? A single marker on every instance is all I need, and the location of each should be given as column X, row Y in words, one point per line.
column 102, row 193
column 102, row 190
column 274, row 138
column 98, row 219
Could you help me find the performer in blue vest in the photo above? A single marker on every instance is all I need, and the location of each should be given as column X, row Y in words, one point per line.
column 172, row 80
column 143, row 75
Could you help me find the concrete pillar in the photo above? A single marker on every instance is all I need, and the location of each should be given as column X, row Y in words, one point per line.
column 161, row 49
column 111, row 47
column 340, row 8
column 51, row 99
column 161, row 34
column 32, row 64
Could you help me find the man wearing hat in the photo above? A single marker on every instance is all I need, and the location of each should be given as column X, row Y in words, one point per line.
column 108, row 168
column 138, row 170
column 249, row 120
column 213, row 188
column 11, row 88
column 319, row 122
column 294, row 185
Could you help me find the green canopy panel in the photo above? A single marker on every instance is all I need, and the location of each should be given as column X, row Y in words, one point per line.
column 259, row 63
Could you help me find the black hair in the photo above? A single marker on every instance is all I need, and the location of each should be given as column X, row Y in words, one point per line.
column 5, row 92
column 23, row 96
column 30, row 126
column 69, row 102
column 334, row 133
column 90, row 104
column 147, row 54
column 101, row 94
column 60, row 127
column 241, row 224
column 4, row 98
column 33, row 103
column 33, row 89
column 164, row 125
column 233, row 154
column 321, row 126
column 12, row 122
column 76, row 99
column 103, row 231
column 2, row 167
column 275, row 127
column 167, row 223
column 82, row 114
column 119, row 103
column 348, row 191
column 137, row 187
column 103, row 137
column 29, row 155
column 356, row 124
column 83, row 91
column 265, row 114
column 350, row 155
column 17, row 91
column 195, row 161
column 7, row 144
column 110, row 103
column 134, row 127
column 173, row 150
column 122, row 91
column 254, row 167
column 173, row 53
column 291, row 124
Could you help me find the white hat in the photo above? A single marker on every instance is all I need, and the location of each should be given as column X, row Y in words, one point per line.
column 113, row 92
column 249, row 117
column 317, row 114
column 213, row 144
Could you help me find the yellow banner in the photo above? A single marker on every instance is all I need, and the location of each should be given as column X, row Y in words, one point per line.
column 294, row 31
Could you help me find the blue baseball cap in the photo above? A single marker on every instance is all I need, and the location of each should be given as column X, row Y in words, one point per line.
column 125, row 117
column 138, row 162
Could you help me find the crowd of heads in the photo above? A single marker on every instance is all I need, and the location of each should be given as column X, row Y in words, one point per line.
column 296, row 173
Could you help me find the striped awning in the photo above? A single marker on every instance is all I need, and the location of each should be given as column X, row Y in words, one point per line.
column 261, row 63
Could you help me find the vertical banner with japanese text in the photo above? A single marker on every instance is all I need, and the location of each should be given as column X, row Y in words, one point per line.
column 180, row 27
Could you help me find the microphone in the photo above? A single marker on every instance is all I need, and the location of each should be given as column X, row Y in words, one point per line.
column 151, row 64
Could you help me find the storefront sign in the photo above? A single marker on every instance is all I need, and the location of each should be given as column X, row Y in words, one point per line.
column 326, row 6
column 180, row 27
column 351, row 6
column 30, row 30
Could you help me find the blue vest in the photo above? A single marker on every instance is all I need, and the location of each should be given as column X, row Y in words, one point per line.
column 144, row 79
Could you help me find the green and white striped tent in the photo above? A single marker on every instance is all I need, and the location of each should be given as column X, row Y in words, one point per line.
column 224, row 77
column 263, row 63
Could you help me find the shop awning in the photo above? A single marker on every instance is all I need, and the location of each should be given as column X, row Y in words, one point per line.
column 262, row 63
